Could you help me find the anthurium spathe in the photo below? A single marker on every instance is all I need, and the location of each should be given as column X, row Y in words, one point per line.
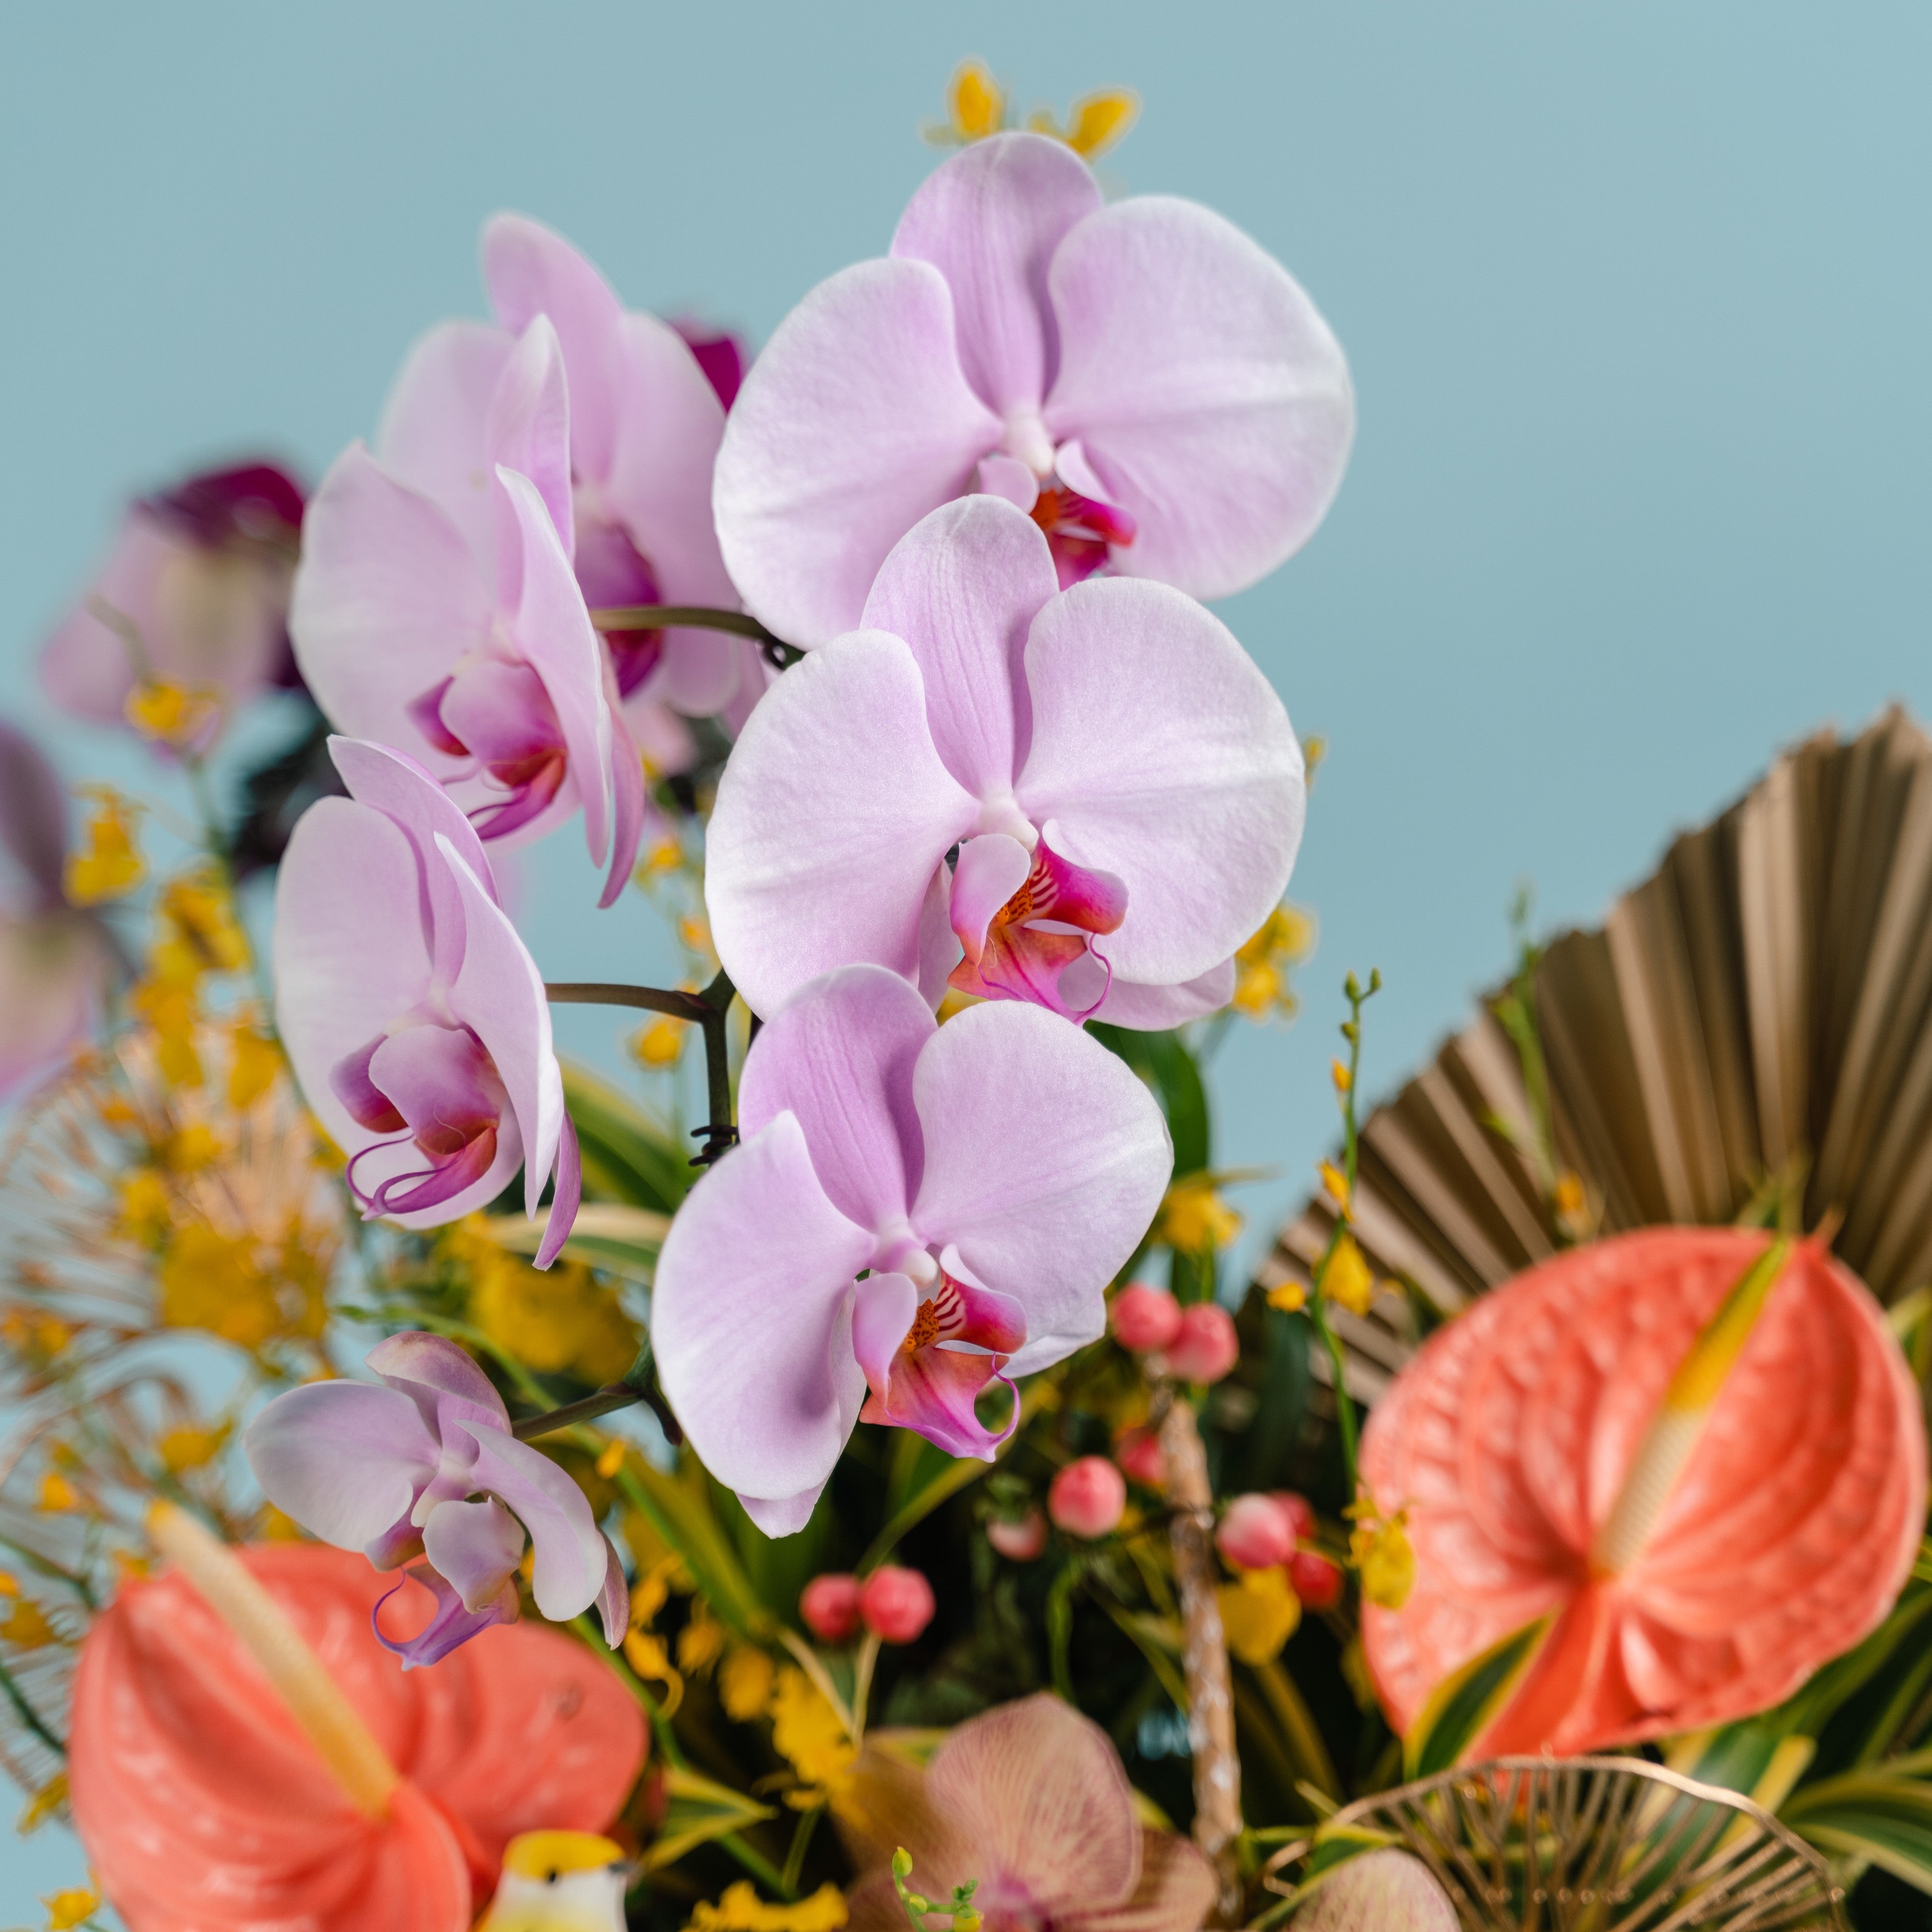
column 1121, row 783
column 1670, row 1473
column 987, row 1177
column 414, row 1016
column 424, row 1466
column 1141, row 378
column 450, row 624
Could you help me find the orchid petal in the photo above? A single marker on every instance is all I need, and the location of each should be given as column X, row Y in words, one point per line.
column 627, row 802
column 449, row 1626
column 569, row 1559
column 939, row 950
column 1001, row 475
column 54, row 971
column 613, row 1601
column 1154, row 1009
column 962, row 587
column 1045, row 1158
column 883, row 1308
column 934, row 1391
column 1177, row 1888
column 568, row 1198
column 343, row 1459
column 854, row 422
column 751, row 1321
column 699, row 670
column 1167, row 759
column 442, row 1380
column 529, row 433
column 1209, row 396
column 832, row 814
column 434, row 433
column 783, row 1516
column 474, row 1547
column 990, row 868
column 989, row 220
column 33, row 814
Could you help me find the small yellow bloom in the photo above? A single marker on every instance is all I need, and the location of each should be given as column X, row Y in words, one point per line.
column 1258, row 1615
column 217, row 1282
column 1338, row 1072
column 1193, row 1217
column 700, row 1641
column 647, row 1655
column 173, row 714
column 1383, row 1556
column 745, row 1683
column 200, row 911
column 74, row 1906
column 193, row 1149
column 25, row 1628
column 806, row 1731
column 254, row 1062
column 560, row 1320
column 660, row 1044
column 188, row 1447
column 741, row 1909
column 42, row 1806
column 975, row 105
column 107, row 866
column 610, row 1459
column 695, row 932
column 10, row 1584
column 1347, row 1280
column 1290, row 1297
column 129, row 1568
column 57, row 1493
column 1097, row 122
column 1336, row 1183
column 169, row 1008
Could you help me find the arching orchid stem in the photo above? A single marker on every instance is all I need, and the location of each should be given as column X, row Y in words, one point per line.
column 697, row 617
column 614, row 1396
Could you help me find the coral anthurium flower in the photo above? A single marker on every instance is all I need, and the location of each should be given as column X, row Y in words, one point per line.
column 990, row 1175
column 1689, row 1462
column 414, row 1016
column 1148, row 384
column 1121, row 783
column 450, row 624
column 425, row 1466
column 56, row 958
column 244, row 1753
column 195, row 593
column 1030, row 1799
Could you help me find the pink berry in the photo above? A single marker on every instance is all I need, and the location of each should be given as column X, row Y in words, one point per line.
column 1144, row 1317
column 1204, row 1348
column 1137, row 1451
column 1254, row 1534
column 1020, row 1540
column 896, row 1604
column 1088, row 1497
column 1317, row 1582
column 1297, row 1510
column 829, row 1605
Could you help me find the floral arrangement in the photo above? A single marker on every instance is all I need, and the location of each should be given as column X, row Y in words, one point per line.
column 435, row 1494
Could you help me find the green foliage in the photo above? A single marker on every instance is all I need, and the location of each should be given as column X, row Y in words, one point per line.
column 627, row 1155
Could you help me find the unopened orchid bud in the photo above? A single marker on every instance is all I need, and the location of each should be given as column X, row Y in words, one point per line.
column 1138, row 1453
column 1255, row 1534
column 1298, row 1511
column 896, row 1603
column 829, row 1605
column 1317, row 1582
column 1145, row 1318
column 1088, row 1497
column 1205, row 1347
column 1020, row 1539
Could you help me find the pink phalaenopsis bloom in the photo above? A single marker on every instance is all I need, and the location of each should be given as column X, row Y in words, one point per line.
column 56, row 959
column 1149, row 384
column 424, row 1466
column 1122, row 784
column 990, row 1175
column 1030, row 1799
column 414, row 1016
column 450, row 626
column 194, row 593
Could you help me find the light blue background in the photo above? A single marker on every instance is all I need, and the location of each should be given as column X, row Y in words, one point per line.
column 1637, row 299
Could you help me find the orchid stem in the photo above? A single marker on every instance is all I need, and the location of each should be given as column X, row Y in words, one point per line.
column 613, row 1396
column 696, row 617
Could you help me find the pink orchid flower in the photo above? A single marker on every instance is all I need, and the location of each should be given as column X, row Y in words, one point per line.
column 451, row 625
column 646, row 419
column 194, row 593
column 986, row 1178
column 1122, row 784
column 425, row 1466
column 414, row 1016
column 1156, row 390
column 56, row 959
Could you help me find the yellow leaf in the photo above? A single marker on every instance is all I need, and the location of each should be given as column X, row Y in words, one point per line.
column 1258, row 1615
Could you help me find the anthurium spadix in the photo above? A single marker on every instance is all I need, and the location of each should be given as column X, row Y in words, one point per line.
column 453, row 629
column 1141, row 378
column 1651, row 1486
column 1086, row 798
column 985, row 1178
column 414, row 1016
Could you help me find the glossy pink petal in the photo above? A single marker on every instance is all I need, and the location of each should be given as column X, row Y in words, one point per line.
column 528, row 432
column 434, row 436
column 751, row 1322
column 989, row 871
column 1209, row 399
column 840, row 1059
column 1783, row 1541
column 833, row 814
column 906, row 1338
column 1045, row 1158
column 1167, row 759
column 962, row 588
column 569, row 1551
column 989, row 220
column 1153, row 1009
column 443, row 1379
column 855, row 421
column 475, row 1547
column 345, row 1459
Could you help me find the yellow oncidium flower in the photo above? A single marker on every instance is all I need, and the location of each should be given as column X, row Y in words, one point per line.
column 808, row 1733
column 561, row 1320
column 1290, row 1297
column 1258, row 1615
column 745, row 1680
column 72, row 1907
column 1380, row 1549
column 194, row 1147
column 188, row 1447
column 976, row 106
column 172, row 1012
column 1338, row 1072
column 42, row 1806
column 701, row 1642
column 660, row 1044
column 1095, row 122
column 107, row 866
column 57, row 1494
column 644, row 1652
column 171, row 714
column 1284, row 939
column 26, row 1628
column 611, row 1458
column 666, row 856
column 254, row 1064
column 741, row 1909
column 694, row 932
column 35, row 1334
column 217, row 1281
column 1347, row 1280
column 200, row 932
column 1335, row 1182
column 1194, row 1216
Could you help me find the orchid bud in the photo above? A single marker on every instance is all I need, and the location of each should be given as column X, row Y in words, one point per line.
column 1020, row 1539
column 1205, row 1347
column 1297, row 1510
column 1088, row 1497
column 829, row 1605
column 1255, row 1533
column 896, row 1603
column 1317, row 1582
column 1137, row 1452
column 1145, row 1318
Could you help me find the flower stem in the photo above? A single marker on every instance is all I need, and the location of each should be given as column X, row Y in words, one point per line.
column 697, row 617
column 613, row 1396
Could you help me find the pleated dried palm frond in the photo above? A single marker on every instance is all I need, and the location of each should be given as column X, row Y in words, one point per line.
column 1748, row 1037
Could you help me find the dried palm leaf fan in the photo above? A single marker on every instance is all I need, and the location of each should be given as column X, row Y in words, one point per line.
column 1748, row 1036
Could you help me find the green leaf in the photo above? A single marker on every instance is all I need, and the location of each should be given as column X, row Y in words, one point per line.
column 699, row 1810
column 679, row 1508
column 609, row 1235
column 1463, row 1706
column 628, row 1156
column 1869, row 1814
column 1162, row 1059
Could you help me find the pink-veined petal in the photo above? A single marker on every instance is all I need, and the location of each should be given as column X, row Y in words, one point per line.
column 474, row 1547
column 854, row 422
column 343, row 1459
column 962, row 588
column 883, row 1308
column 1045, row 1158
column 1167, row 759
column 1154, row 1009
column 569, row 1556
column 939, row 950
column 529, row 433
column 442, row 1379
column 989, row 220
column 751, row 1319
column 832, row 816
column 1210, row 399
column 839, row 1057
column 990, row 868
column 435, row 430
column 629, row 804
column 613, row 1601
column 569, row 1197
